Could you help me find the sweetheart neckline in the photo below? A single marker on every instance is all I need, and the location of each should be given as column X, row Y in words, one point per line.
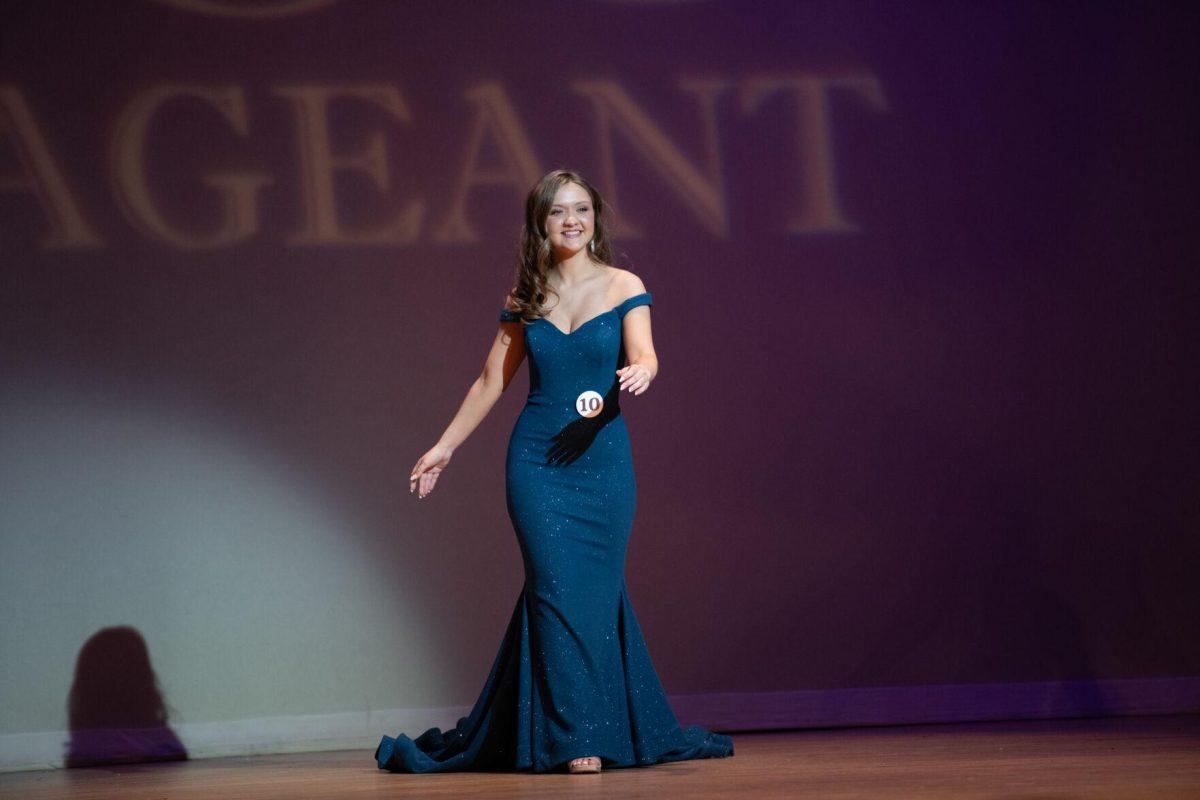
column 581, row 327
column 593, row 319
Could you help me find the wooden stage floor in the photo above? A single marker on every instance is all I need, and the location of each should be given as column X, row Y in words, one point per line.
column 1150, row 757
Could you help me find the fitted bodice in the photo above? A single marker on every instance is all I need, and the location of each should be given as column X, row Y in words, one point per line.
column 573, row 676
column 562, row 366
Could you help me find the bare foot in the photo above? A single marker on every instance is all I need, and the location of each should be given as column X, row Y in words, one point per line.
column 585, row 764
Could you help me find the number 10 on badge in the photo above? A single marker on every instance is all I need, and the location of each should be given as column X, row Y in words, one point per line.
column 589, row 403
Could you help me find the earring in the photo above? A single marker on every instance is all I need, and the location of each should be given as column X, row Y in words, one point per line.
column 592, row 245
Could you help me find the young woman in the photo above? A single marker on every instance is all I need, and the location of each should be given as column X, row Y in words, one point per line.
column 573, row 683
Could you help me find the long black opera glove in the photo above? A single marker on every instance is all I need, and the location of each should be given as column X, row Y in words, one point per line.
column 576, row 437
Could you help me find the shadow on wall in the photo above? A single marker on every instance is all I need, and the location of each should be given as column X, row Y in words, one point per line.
column 116, row 711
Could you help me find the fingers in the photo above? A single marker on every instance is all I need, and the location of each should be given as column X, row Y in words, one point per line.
column 422, row 480
column 636, row 381
column 427, row 481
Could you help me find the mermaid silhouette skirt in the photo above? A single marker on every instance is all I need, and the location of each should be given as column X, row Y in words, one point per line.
column 573, row 676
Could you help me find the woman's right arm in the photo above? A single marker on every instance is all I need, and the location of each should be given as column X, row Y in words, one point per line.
column 508, row 350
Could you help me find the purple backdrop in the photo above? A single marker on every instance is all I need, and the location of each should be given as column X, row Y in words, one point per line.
column 925, row 299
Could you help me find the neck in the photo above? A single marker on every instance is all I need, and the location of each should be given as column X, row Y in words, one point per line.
column 575, row 269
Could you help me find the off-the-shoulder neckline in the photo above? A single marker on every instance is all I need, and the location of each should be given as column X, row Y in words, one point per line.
column 589, row 321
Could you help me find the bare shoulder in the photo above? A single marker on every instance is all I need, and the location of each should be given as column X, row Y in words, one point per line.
column 626, row 284
column 509, row 303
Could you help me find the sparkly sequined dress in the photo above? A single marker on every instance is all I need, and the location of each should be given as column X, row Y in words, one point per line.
column 573, row 676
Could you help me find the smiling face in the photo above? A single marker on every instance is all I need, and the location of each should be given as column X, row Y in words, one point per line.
column 571, row 221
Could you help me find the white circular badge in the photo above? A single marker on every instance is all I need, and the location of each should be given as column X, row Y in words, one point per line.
column 589, row 403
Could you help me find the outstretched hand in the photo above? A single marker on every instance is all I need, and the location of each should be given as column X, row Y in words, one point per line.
column 428, row 467
column 634, row 377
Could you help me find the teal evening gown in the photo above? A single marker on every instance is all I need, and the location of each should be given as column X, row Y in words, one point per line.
column 573, row 676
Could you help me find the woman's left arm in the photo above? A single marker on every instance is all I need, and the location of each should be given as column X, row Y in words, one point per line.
column 639, row 349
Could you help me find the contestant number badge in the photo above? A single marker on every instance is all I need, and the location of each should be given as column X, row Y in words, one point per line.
column 589, row 403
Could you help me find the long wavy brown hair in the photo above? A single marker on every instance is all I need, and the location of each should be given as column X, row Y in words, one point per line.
column 536, row 253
